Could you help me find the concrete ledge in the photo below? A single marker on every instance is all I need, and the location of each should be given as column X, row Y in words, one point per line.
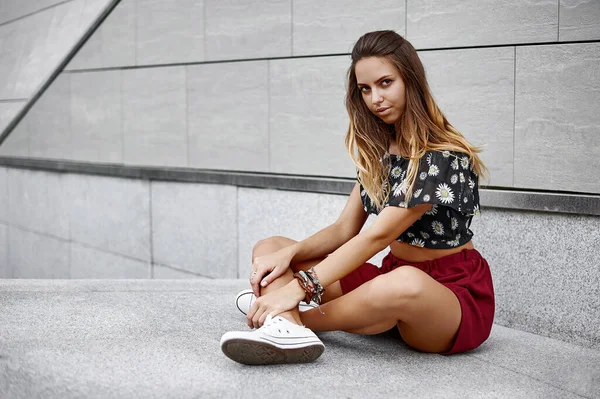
column 502, row 198
column 160, row 338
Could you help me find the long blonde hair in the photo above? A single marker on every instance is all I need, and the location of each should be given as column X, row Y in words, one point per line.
column 423, row 126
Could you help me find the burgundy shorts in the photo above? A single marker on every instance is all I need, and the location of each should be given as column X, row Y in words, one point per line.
column 465, row 273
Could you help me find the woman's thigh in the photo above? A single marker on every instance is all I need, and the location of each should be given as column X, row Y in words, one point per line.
column 276, row 243
column 431, row 320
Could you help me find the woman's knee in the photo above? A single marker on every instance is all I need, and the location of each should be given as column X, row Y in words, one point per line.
column 270, row 245
column 397, row 289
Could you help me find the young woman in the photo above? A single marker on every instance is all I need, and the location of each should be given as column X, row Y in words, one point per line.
column 420, row 176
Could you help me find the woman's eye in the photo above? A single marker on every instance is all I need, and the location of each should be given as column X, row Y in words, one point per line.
column 364, row 89
column 389, row 81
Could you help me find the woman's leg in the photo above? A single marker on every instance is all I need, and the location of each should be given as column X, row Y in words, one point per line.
column 276, row 243
column 426, row 312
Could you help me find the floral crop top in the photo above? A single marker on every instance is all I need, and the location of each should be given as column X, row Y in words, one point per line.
column 446, row 180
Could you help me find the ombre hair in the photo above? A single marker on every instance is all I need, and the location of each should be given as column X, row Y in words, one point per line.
column 423, row 126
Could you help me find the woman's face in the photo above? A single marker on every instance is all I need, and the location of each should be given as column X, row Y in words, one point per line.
column 382, row 88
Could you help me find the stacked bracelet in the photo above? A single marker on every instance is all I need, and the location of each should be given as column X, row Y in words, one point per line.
column 311, row 285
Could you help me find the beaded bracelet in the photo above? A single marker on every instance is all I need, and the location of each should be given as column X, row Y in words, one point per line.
column 313, row 292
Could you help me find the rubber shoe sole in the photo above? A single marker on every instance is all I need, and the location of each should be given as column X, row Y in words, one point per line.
column 262, row 353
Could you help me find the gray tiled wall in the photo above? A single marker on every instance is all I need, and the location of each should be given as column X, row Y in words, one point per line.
column 280, row 115
column 556, row 117
column 33, row 255
column 111, row 215
column 37, row 202
column 49, row 122
column 154, row 116
column 33, row 46
column 10, row 10
column 3, row 195
column 545, row 269
column 97, row 116
column 90, row 263
column 544, row 265
column 262, row 29
column 307, row 117
column 193, row 228
column 330, row 27
column 113, row 44
column 443, row 23
column 475, row 90
column 8, row 110
column 228, row 115
column 5, row 272
column 169, row 31
column 579, row 20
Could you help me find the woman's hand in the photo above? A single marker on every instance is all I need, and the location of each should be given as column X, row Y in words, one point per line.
column 281, row 300
column 267, row 268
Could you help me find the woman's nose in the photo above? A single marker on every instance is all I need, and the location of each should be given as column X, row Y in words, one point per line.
column 376, row 97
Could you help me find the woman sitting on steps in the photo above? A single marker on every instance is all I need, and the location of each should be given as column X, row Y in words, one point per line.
column 420, row 176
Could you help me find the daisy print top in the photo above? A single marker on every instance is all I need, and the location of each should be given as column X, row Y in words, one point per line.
column 446, row 180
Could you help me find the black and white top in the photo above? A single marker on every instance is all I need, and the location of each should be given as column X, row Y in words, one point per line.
column 446, row 180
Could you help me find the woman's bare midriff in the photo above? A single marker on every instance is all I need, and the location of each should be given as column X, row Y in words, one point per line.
column 410, row 253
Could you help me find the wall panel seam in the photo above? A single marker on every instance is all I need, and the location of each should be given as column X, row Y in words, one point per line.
column 514, row 113
column 420, row 50
column 558, row 23
column 35, row 12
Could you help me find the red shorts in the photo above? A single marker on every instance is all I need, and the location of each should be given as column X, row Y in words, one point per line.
column 466, row 273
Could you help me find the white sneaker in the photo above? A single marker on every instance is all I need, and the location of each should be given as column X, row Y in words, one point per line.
column 277, row 341
column 246, row 298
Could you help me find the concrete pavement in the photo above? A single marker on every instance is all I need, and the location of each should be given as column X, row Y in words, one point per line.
column 160, row 339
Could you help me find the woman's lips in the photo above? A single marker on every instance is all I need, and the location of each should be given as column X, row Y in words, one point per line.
column 383, row 110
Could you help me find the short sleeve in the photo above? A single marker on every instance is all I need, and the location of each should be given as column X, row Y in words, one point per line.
column 443, row 178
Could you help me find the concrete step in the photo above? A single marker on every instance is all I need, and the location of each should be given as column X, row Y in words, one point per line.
column 160, row 338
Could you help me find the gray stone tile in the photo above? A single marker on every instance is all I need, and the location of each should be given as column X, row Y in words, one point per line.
column 90, row 55
column 38, row 201
column 49, row 122
column 111, row 214
column 15, row 36
column 8, row 111
column 36, row 63
column 545, row 360
column 433, row 24
column 155, row 129
column 194, row 228
column 544, row 267
column 113, row 42
column 5, row 271
column 579, row 20
column 97, row 116
column 308, row 119
column 474, row 88
column 3, row 194
column 32, row 255
column 295, row 215
column 248, row 29
column 17, row 142
column 77, row 331
column 556, row 124
column 90, row 263
column 70, row 21
column 118, row 35
column 228, row 116
column 330, row 27
column 168, row 273
column 16, row 9
column 170, row 31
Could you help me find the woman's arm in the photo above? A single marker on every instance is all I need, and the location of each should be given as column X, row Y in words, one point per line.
column 329, row 239
column 391, row 222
